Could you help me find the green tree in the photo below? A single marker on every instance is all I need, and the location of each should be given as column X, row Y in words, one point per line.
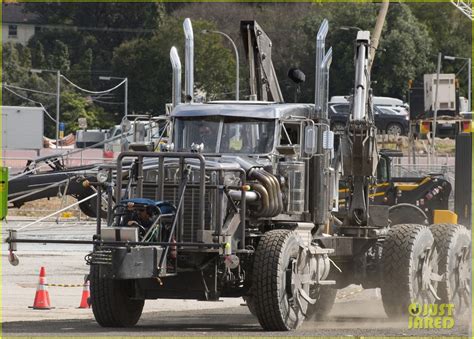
column 82, row 70
column 408, row 53
column 38, row 59
column 451, row 34
column 146, row 63
column 75, row 106
column 59, row 58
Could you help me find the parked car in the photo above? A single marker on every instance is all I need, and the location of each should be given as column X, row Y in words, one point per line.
column 387, row 119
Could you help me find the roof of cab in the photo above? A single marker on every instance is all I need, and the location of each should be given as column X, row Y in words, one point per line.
column 257, row 110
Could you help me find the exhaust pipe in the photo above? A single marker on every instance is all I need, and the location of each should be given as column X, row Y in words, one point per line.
column 325, row 65
column 319, row 81
column 176, row 65
column 189, row 60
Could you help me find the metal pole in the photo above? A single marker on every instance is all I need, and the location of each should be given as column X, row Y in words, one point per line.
column 469, row 84
column 436, row 104
column 58, row 96
column 237, row 76
column 126, row 96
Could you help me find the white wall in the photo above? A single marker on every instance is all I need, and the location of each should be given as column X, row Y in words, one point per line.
column 24, row 33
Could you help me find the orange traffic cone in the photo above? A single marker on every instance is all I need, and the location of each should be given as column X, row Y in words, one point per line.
column 42, row 301
column 86, row 295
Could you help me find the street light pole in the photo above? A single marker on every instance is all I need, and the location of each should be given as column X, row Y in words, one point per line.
column 436, row 102
column 469, row 64
column 237, row 80
column 469, row 84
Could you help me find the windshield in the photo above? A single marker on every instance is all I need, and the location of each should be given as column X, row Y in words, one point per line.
column 225, row 134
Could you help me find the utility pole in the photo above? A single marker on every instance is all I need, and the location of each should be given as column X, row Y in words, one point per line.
column 378, row 31
column 435, row 117
column 58, row 96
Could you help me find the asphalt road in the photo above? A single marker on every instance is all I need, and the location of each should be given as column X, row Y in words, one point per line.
column 357, row 312
column 349, row 318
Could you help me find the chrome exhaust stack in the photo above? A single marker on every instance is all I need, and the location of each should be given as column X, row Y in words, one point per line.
column 319, row 81
column 325, row 66
column 189, row 60
column 176, row 65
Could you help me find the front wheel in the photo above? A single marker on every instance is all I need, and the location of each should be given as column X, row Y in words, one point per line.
column 111, row 302
column 325, row 297
column 277, row 294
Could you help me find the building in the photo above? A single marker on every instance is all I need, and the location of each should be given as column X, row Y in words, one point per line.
column 18, row 26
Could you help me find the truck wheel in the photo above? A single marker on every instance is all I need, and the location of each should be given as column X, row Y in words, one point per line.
column 325, row 297
column 111, row 304
column 277, row 295
column 409, row 268
column 249, row 300
column 395, row 129
column 454, row 247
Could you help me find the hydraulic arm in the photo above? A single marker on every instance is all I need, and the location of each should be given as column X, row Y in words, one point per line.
column 359, row 143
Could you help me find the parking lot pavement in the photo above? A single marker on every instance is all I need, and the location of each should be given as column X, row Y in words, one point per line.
column 64, row 264
column 356, row 312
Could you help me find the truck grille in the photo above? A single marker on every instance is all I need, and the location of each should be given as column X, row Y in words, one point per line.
column 190, row 208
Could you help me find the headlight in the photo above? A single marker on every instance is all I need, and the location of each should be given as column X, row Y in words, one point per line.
column 102, row 176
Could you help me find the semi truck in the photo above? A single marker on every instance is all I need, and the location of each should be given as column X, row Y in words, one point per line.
column 241, row 202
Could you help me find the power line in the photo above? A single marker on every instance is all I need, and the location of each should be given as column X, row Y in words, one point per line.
column 27, row 89
column 33, row 101
column 107, row 102
column 93, row 92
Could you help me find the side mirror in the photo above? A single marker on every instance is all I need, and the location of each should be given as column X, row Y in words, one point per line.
column 311, row 139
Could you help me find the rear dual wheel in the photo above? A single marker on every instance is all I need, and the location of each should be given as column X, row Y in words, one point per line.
column 409, row 269
column 454, row 247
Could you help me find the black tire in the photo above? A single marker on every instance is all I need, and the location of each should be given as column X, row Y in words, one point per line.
column 89, row 207
column 392, row 127
column 325, row 297
column 272, row 292
column 251, row 305
column 111, row 304
column 407, row 249
column 454, row 248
